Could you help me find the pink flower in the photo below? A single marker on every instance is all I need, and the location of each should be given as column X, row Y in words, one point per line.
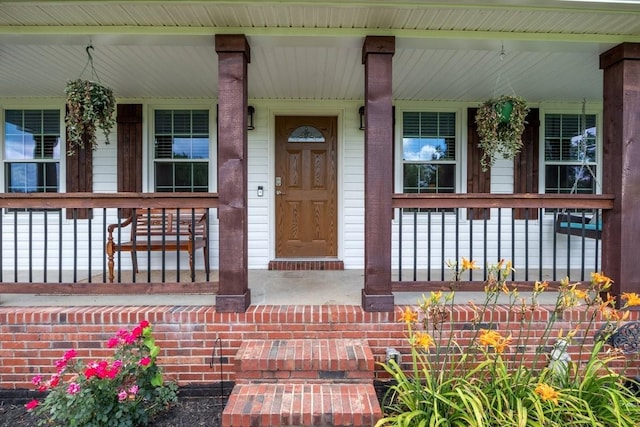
column 122, row 395
column 113, row 342
column 36, row 380
column 145, row 361
column 117, row 363
column 70, row 354
column 144, row 324
column 134, row 389
column 32, row 405
column 73, row 388
column 136, row 332
column 90, row 372
column 55, row 379
column 61, row 364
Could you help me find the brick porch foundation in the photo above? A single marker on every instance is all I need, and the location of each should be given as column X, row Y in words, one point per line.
column 32, row 338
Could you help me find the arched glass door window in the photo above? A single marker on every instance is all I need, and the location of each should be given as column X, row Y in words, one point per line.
column 306, row 134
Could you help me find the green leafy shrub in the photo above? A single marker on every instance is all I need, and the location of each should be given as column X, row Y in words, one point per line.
column 498, row 380
column 126, row 390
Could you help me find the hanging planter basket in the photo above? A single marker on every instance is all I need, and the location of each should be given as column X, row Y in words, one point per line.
column 500, row 126
column 90, row 106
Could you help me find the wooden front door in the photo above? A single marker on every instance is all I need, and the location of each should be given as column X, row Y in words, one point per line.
column 305, row 187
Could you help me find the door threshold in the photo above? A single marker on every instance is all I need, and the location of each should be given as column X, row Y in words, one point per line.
column 306, row 264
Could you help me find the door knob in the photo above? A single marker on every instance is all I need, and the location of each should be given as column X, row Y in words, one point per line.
column 279, row 193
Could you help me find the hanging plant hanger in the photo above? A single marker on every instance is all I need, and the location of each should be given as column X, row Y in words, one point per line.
column 90, row 106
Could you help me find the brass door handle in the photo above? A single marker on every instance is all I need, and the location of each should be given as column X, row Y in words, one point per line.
column 279, row 193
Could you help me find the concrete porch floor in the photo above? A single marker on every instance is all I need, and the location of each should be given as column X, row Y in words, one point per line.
column 267, row 288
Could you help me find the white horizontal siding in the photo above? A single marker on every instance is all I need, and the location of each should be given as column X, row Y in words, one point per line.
column 261, row 225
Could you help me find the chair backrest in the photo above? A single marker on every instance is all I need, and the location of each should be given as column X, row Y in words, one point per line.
column 170, row 222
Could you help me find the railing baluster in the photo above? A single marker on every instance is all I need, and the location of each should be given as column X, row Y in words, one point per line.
column 470, row 213
column 526, row 244
column 46, row 245
column 485, row 220
column 513, row 241
column 415, row 245
column 499, row 234
column 597, row 243
column 540, row 235
column 75, row 245
column 15, row 246
column 442, row 248
column 401, row 212
column 457, row 250
column 60, row 245
column 30, row 246
column 429, row 244
column 178, row 245
column 90, row 245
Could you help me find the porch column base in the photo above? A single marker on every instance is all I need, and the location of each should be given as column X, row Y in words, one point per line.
column 233, row 303
column 381, row 302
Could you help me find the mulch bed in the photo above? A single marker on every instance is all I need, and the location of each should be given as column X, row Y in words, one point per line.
column 196, row 407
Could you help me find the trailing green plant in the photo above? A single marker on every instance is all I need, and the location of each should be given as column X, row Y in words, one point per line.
column 500, row 126
column 126, row 390
column 502, row 375
column 90, row 106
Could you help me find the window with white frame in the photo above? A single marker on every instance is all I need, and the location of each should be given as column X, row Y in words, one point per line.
column 32, row 151
column 429, row 152
column 181, row 150
column 570, row 153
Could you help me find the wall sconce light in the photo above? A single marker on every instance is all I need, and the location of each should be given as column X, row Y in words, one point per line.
column 251, row 111
column 361, row 112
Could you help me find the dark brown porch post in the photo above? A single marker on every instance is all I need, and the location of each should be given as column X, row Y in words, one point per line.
column 377, row 55
column 621, row 176
column 233, row 56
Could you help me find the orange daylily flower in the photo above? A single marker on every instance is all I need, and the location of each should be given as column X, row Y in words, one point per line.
column 547, row 393
column 580, row 294
column 488, row 338
column 468, row 264
column 632, row 298
column 599, row 278
column 408, row 316
column 540, row 286
column 423, row 340
column 495, row 340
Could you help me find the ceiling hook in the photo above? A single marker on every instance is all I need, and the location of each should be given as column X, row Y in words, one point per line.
column 89, row 49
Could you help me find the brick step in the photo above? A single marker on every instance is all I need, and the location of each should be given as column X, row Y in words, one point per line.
column 277, row 404
column 304, row 359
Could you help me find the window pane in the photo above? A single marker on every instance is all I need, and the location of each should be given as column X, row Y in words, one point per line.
column 416, row 149
column 163, row 122
column 429, row 178
column 570, row 137
column 306, row 134
column 200, row 176
column 32, row 177
column 570, row 153
column 181, row 136
column 428, row 136
column 32, row 134
column 569, row 179
column 31, row 151
column 164, row 177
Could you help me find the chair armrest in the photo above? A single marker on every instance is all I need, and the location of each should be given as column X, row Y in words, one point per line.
column 125, row 223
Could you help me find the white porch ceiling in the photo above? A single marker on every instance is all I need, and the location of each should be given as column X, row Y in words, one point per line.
column 312, row 49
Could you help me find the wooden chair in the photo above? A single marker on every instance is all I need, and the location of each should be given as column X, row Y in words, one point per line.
column 161, row 230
